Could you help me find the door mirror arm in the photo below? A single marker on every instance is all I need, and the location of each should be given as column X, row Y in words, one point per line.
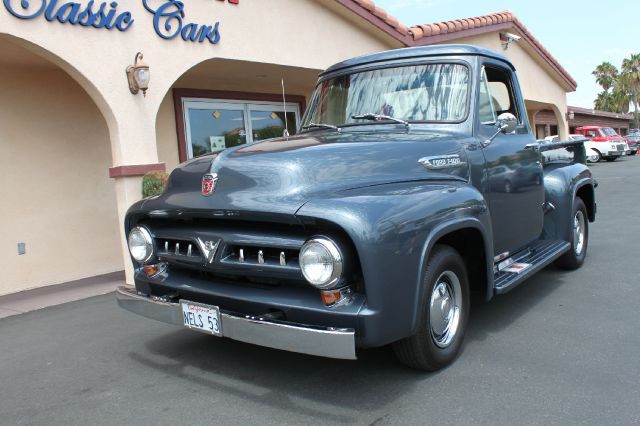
column 506, row 124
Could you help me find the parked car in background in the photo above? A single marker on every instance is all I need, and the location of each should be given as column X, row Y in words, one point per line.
column 605, row 141
column 633, row 140
column 593, row 156
column 563, row 154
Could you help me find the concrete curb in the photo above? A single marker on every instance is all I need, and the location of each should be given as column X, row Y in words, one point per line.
column 32, row 300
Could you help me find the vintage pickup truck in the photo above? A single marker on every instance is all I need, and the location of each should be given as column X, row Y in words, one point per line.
column 414, row 182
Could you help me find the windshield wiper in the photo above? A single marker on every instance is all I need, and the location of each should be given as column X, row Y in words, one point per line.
column 321, row 126
column 380, row 117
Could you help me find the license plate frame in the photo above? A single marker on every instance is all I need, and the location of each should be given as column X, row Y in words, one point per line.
column 201, row 317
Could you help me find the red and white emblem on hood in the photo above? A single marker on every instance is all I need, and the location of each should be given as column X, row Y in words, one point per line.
column 209, row 183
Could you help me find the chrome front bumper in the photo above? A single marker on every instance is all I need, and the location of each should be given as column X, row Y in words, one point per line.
column 319, row 341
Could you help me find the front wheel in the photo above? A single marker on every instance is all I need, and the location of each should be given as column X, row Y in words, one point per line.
column 574, row 258
column 443, row 315
column 600, row 157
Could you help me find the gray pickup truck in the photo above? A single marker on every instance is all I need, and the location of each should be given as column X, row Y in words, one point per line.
column 414, row 182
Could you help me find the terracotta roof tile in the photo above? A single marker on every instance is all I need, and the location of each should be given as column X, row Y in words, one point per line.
column 421, row 34
column 382, row 14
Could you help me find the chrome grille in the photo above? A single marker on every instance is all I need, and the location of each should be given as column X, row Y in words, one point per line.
column 268, row 256
column 621, row 147
column 171, row 248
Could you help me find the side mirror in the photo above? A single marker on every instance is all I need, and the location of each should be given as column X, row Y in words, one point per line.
column 507, row 122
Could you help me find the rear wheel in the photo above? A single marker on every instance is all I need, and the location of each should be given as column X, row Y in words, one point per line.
column 443, row 316
column 574, row 258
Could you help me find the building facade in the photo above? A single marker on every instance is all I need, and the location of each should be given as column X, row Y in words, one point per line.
column 545, row 122
column 76, row 141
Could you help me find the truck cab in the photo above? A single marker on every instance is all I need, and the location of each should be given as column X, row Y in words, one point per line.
column 414, row 182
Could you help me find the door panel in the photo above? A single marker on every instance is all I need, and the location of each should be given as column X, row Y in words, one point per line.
column 514, row 184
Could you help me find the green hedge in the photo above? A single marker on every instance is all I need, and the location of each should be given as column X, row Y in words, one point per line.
column 154, row 183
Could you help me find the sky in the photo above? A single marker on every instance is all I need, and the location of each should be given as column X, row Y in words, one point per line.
column 579, row 34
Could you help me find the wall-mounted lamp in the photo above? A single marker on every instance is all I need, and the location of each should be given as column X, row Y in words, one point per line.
column 571, row 115
column 138, row 75
column 508, row 38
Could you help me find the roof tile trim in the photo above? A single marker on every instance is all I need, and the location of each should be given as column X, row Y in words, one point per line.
column 379, row 12
column 421, row 33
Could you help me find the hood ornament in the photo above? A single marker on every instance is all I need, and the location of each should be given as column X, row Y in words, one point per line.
column 209, row 184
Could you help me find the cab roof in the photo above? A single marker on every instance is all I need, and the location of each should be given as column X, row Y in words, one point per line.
column 418, row 52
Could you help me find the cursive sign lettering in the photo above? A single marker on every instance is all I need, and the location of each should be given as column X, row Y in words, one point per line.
column 105, row 15
column 168, row 18
column 168, row 22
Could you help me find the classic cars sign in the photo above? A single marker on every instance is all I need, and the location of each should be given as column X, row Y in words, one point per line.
column 169, row 17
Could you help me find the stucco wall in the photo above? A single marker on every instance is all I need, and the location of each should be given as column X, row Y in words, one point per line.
column 310, row 34
column 55, row 190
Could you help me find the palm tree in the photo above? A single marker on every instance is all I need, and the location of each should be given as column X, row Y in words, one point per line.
column 606, row 75
column 604, row 101
column 620, row 98
column 631, row 79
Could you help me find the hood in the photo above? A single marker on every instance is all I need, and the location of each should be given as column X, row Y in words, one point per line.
column 279, row 176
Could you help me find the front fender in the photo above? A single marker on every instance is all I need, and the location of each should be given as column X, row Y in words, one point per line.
column 393, row 228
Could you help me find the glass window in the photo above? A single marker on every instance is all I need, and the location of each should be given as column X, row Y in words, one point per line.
column 487, row 112
column 500, row 96
column 501, row 91
column 436, row 92
column 269, row 124
column 609, row 131
column 212, row 126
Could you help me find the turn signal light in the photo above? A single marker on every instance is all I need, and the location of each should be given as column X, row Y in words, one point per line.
column 154, row 270
column 336, row 297
column 151, row 270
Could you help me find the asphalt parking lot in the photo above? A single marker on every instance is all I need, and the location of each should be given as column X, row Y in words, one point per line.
column 563, row 348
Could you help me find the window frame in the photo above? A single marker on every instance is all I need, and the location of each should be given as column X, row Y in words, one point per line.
column 226, row 97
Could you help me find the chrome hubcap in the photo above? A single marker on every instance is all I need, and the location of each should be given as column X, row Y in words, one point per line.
column 578, row 232
column 445, row 305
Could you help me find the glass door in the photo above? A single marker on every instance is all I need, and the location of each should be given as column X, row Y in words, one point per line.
column 215, row 125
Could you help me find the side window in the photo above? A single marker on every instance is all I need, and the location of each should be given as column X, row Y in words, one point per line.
column 501, row 89
column 486, row 112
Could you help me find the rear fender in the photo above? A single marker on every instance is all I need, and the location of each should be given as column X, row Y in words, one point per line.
column 561, row 187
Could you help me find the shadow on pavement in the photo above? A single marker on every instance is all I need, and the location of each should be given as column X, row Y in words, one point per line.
column 315, row 386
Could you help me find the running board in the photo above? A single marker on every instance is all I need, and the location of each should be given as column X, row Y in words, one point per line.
column 538, row 256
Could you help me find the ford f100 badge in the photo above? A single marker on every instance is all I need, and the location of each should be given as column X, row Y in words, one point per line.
column 209, row 183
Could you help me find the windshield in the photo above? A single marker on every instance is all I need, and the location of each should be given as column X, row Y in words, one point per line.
column 609, row 131
column 434, row 92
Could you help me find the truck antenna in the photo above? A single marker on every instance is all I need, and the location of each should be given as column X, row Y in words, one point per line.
column 284, row 104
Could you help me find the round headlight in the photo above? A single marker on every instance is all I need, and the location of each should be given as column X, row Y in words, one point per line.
column 140, row 244
column 321, row 263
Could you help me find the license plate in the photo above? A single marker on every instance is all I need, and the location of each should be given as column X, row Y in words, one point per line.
column 199, row 317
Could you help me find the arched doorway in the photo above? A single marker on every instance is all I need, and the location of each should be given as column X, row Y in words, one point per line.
column 60, row 219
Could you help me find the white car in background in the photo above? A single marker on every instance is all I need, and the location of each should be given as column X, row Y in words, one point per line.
column 563, row 154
